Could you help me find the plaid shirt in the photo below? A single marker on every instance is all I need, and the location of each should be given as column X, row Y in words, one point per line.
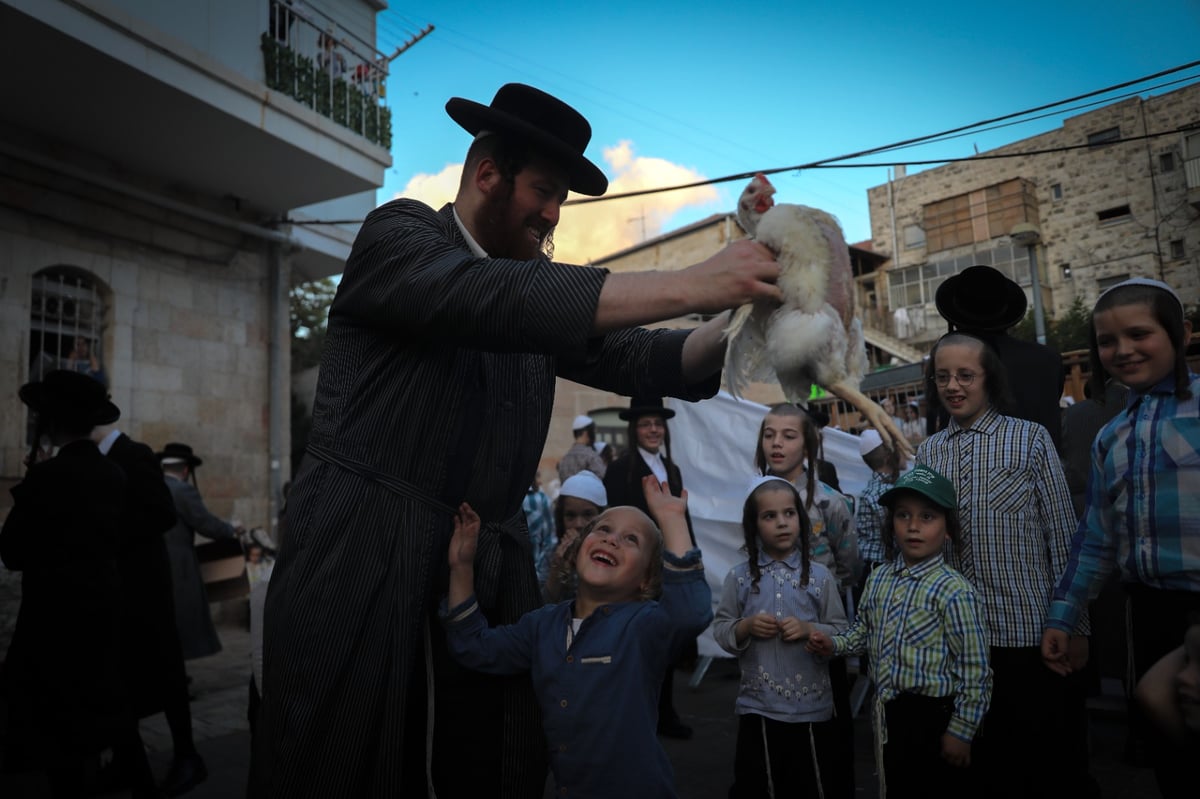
column 1143, row 502
column 833, row 543
column 869, row 520
column 921, row 628
column 578, row 458
column 1017, row 519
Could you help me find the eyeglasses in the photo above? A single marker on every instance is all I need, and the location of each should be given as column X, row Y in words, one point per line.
column 648, row 424
column 962, row 377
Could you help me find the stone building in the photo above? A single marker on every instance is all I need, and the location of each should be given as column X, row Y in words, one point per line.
column 1112, row 193
column 158, row 168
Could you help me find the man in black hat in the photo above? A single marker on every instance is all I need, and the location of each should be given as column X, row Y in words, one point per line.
column 984, row 303
column 445, row 338
column 197, row 634
column 62, row 673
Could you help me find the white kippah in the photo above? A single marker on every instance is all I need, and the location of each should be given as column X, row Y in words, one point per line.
column 1145, row 281
column 585, row 485
column 869, row 441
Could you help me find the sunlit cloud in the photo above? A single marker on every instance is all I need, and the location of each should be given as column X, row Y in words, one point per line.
column 593, row 230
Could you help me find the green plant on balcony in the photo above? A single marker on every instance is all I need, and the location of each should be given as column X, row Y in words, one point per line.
column 299, row 78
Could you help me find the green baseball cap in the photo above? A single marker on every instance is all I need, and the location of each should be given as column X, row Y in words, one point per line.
column 926, row 482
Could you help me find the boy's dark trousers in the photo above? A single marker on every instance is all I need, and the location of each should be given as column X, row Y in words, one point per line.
column 912, row 756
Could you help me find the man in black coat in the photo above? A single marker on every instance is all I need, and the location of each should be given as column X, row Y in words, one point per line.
column 152, row 658
column 982, row 302
column 66, row 698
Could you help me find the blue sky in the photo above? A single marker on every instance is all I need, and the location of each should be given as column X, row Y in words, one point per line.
column 683, row 91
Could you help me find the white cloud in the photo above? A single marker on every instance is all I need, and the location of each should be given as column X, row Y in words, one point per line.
column 594, row 230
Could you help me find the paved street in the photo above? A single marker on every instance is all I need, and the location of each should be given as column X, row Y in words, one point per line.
column 703, row 765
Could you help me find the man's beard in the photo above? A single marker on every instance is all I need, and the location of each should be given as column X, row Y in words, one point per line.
column 502, row 235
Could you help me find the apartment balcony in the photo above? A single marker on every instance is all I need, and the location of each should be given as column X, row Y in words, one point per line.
column 177, row 96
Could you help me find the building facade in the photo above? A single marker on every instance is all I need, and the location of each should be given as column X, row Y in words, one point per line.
column 157, row 169
column 1113, row 193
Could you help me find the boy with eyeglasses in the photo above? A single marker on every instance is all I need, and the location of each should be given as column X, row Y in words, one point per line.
column 1017, row 521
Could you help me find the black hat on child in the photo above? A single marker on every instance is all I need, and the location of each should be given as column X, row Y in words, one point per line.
column 981, row 298
column 645, row 406
column 70, row 396
column 178, row 453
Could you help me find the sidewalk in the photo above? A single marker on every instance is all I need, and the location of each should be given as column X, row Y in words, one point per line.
column 703, row 765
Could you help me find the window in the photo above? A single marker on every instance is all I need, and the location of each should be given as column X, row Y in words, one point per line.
column 1066, row 271
column 66, row 325
column 1166, row 162
column 1102, row 137
column 1118, row 214
column 1108, row 282
column 1056, row 191
column 1177, row 249
column 913, row 237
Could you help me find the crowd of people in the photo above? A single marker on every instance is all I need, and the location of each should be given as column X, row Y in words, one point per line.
column 435, row 624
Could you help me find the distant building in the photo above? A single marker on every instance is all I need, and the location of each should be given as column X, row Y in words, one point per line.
column 157, row 161
column 1105, row 210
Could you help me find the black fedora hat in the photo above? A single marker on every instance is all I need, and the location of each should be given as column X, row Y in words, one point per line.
column 178, row 453
column 981, row 298
column 558, row 129
column 645, row 406
column 70, row 396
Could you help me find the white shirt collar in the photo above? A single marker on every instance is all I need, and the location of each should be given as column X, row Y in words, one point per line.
column 655, row 461
column 107, row 442
column 471, row 243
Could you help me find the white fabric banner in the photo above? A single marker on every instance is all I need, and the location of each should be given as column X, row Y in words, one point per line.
column 713, row 443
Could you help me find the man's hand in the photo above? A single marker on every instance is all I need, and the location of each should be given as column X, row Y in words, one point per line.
column 1055, row 644
column 742, row 272
column 955, row 751
column 792, row 629
column 819, row 644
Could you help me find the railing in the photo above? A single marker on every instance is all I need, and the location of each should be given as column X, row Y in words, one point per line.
column 310, row 58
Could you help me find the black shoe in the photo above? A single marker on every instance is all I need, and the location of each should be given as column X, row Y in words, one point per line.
column 186, row 773
column 674, row 728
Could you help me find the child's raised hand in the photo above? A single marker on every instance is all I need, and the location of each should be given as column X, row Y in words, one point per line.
column 955, row 751
column 792, row 629
column 660, row 501
column 819, row 644
column 465, row 538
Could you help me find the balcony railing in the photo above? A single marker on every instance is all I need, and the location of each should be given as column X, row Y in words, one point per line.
column 321, row 65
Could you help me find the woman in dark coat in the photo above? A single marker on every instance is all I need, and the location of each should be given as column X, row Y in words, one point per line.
column 62, row 681
column 649, row 438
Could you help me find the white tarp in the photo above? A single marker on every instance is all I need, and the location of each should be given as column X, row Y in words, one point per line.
column 713, row 443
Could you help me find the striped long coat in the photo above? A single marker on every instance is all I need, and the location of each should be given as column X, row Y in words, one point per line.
column 436, row 386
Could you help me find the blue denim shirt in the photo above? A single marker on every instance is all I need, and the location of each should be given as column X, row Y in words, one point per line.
column 780, row 679
column 598, row 693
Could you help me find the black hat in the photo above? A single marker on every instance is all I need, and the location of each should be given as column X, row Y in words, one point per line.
column 542, row 119
column 178, row 453
column 981, row 298
column 645, row 406
column 70, row 396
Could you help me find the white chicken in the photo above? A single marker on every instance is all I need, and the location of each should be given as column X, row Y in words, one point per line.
column 813, row 336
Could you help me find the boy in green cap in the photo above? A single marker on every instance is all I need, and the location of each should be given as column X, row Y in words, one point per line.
column 919, row 625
